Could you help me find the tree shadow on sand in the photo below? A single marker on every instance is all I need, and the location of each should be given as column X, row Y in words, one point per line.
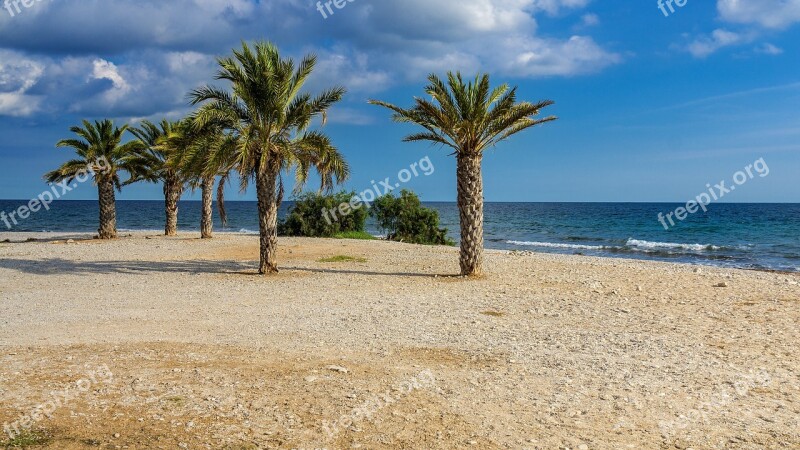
column 61, row 266
column 64, row 266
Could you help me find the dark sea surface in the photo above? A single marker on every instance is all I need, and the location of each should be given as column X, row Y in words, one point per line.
column 754, row 236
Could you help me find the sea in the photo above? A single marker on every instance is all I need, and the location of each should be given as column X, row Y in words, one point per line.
column 748, row 236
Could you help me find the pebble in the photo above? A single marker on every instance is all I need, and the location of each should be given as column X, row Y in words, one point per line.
column 339, row 369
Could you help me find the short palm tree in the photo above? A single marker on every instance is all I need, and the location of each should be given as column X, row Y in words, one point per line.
column 270, row 119
column 154, row 161
column 469, row 118
column 209, row 153
column 100, row 150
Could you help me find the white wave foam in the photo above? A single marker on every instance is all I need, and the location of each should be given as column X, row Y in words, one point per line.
column 246, row 231
column 669, row 245
column 555, row 245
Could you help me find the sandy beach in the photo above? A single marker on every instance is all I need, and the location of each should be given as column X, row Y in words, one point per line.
column 388, row 349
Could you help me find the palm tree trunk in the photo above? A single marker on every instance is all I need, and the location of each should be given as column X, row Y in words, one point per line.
column 470, row 207
column 268, row 221
column 108, row 209
column 172, row 194
column 206, row 220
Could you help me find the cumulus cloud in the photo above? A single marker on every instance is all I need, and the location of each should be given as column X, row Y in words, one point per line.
column 145, row 55
column 776, row 14
column 17, row 76
column 769, row 49
column 706, row 45
column 555, row 6
column 577, row 55
column 754, row 19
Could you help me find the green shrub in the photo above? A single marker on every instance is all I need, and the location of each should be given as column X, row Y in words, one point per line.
column 404, row 219
column 308, row 218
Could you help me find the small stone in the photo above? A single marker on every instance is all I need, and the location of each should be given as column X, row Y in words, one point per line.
column 116, row 435
column 310, row 379
column 583, row 447
column 70, row 241
column 339, row 369
column 721, row 285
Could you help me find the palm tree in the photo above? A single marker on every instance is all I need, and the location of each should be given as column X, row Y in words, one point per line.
column 469, row 118
column 270, row 119
column 154, row 162
column 207, row 154
column 101, row 152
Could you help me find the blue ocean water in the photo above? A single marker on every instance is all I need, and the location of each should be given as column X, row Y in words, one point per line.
column 754, row 236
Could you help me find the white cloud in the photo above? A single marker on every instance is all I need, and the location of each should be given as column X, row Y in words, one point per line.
column 350, row 69
column 703, row 46
column 777, row 14
column 104, row 70
column 769, row 49
column 161, row 50
column 577, row 55
column 590, row 20
column 17, row 76
column 555, row 6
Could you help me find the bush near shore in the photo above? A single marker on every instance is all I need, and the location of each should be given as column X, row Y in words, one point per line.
column 402, row 218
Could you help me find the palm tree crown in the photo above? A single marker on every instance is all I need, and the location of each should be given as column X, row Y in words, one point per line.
column 155, row 153
column 99, row 148
column 270, row 116
column 468, row 117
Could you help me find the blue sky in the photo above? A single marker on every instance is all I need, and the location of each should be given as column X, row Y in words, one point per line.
column 651, row 107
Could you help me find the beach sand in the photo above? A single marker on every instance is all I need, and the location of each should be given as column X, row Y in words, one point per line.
column 176, row 343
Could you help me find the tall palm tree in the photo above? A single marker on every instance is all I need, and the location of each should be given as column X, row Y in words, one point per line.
column 100, row 149
column 270, row 118
column 154, row 162
column 469, row 118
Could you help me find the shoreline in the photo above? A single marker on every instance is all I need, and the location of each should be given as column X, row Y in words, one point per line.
column 55, row 236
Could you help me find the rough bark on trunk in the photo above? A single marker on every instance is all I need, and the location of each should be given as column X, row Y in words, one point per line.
column 108, row 210
column 266, row 183
column 206, row 220
column 470, row 207
column 172, row 194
